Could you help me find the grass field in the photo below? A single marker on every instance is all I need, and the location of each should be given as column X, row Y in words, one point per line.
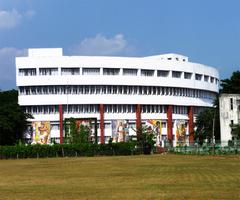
column 129, row 177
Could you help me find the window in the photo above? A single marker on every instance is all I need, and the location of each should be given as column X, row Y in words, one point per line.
column 147, row 72
column 231, row 103
column 87, row 108
column 198, row 77
column 164, row 124
column 153, row 109
column 162, row 73
column 238, row 104
column 169, row 58
column 187, row 75
column 130, row 72
column 48, row 71
column 27, row 72
column 111, row 71
column 70, row 71
column 212, row 79
column 54, row 127
column 206, row 78
column 180, row 110
column 176, row 74
column 107, row 125
column 91, row 71
column 48, row 109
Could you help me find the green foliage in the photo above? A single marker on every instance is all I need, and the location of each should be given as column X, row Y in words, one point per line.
column 70, row 150
column 232, row 85
column 70, row 127
column 75, row 134
column 13, row 120
column 146, row 139
column 82, row 134
column 208, row 149
column 204, row 125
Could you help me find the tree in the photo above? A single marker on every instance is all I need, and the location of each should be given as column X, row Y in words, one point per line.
column 13, row 121
column 204, row 125
column 76, row 134
column 146, row 138
column 232, row 85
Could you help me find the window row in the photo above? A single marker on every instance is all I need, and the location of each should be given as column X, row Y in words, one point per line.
column 115, row 71
column 114, row 89
column 108, row 108
column 119, row 108
column 54, row 109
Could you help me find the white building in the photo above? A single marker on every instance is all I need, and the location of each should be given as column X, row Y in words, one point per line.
column 229, row 105
column 164, row 87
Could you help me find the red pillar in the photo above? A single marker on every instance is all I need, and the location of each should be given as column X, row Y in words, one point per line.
column 169, row 123
column 190, row 124
column 101, row 109
column 138, row 119
column 61, row 123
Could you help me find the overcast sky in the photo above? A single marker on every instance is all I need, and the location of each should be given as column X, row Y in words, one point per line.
column 207, row 31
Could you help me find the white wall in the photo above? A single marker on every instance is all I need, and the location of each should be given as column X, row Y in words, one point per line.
column 226, row 114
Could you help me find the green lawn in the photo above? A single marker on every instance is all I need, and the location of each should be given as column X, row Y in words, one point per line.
column 129, row 177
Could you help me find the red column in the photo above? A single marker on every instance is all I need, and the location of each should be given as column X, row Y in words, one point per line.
column 169, row 123
column 190, row 124
column 138, row 119
column 101, row 109
column 61, row 123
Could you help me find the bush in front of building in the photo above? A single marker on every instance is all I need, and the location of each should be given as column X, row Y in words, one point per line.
column 68, row 150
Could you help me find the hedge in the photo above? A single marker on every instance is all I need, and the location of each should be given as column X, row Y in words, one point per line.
column 206, row 150
column 70, row 150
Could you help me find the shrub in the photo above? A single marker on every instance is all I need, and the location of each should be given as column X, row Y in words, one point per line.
column 71, row 150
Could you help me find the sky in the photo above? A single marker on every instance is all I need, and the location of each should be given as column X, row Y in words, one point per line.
column 207, row 31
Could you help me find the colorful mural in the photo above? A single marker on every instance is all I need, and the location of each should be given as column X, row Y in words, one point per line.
column 41, row 132
column 120, row 130
column 180, row 133
column 155, row 126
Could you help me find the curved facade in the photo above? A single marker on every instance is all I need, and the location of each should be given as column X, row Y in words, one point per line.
column 166, row 87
